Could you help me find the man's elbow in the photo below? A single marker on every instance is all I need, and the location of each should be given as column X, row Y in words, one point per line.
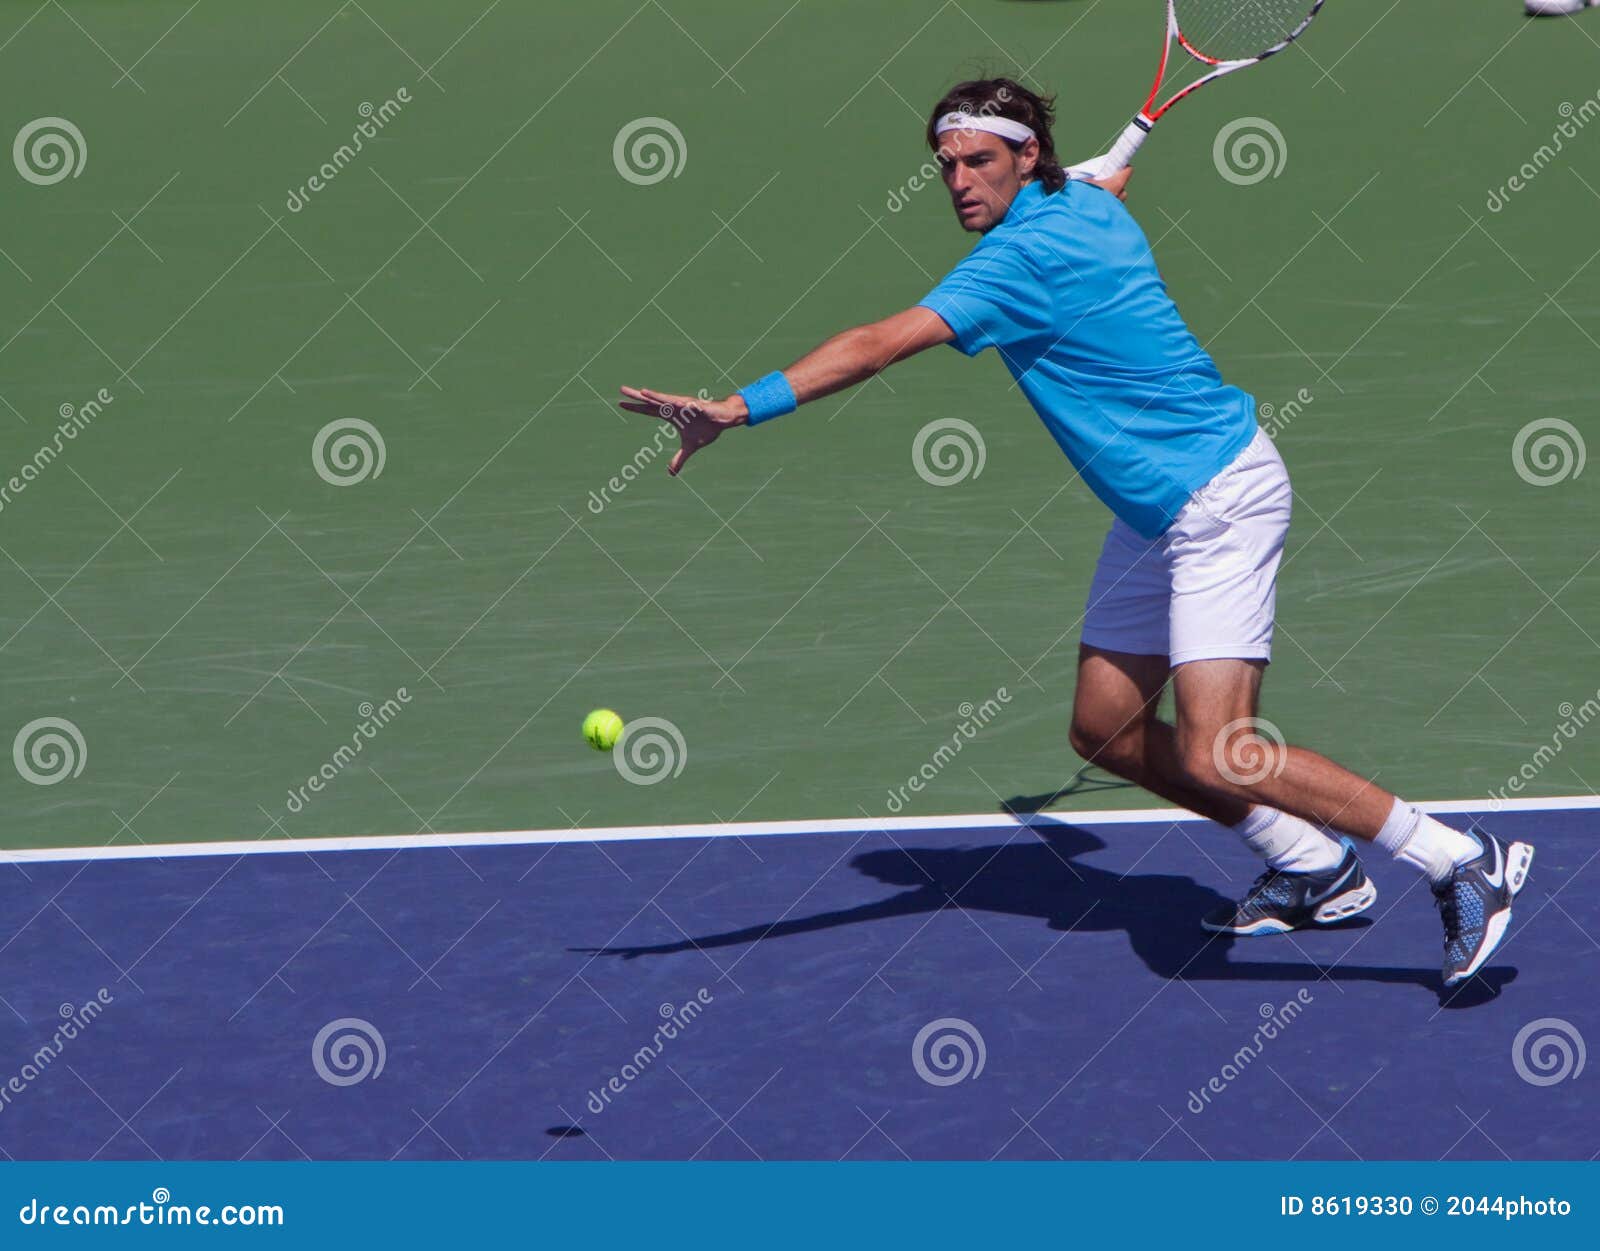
column 869, row 348
column 887, row 342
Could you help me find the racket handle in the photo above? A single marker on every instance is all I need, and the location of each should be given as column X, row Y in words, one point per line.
column 1120, row 155
column 1128, row 142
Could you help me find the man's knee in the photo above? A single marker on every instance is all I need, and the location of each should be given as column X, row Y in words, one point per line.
column 1117, row 748
column 1228, row 759
column 1197, row 762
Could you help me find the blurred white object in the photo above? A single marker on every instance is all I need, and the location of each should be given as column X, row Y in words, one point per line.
column 1104, row 165
column 1556, row 8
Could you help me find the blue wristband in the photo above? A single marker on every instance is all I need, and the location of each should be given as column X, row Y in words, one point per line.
column 769, row 397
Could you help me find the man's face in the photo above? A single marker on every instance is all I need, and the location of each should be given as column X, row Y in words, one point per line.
column 983, row 175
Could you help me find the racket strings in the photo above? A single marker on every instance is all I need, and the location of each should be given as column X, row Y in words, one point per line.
column 1236, row 30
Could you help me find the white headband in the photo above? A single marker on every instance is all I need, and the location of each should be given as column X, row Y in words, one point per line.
column 1002, row 126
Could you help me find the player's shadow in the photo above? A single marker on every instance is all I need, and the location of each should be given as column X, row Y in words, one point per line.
column 1039, row 874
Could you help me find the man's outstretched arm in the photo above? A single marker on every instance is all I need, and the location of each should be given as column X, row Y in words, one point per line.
column 846, row 359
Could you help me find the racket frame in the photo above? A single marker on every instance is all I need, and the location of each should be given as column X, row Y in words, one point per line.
column 1134, row 134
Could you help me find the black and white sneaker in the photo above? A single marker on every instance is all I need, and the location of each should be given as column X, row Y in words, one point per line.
column 1475, row 903
column 1279, row 901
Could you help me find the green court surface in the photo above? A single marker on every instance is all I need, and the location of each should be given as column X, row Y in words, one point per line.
column 210, row 615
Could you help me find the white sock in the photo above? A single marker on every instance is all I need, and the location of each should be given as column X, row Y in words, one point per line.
column 1414, row 838
column 1287, row 843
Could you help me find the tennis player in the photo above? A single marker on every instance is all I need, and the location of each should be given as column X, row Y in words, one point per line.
column 1063, row 286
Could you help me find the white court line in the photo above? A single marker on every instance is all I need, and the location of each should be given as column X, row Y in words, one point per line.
column 729, row 829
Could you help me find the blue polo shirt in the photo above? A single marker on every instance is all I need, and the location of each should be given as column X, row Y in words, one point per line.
column 1065, row 288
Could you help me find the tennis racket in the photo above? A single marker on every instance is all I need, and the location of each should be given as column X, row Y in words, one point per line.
column 1222, row 36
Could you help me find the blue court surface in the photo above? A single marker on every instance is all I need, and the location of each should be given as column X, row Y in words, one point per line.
column 991, row 987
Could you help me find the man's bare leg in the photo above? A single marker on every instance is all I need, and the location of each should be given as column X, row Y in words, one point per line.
column 1114, row 725
column 1113, row 717
column 1220, row 746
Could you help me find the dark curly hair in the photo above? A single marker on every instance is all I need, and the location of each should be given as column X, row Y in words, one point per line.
column 1005, row 97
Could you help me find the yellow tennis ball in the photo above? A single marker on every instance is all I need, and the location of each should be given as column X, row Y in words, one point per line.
column 602, row 728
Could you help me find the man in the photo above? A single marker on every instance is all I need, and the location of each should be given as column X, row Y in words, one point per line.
column 1063, row 286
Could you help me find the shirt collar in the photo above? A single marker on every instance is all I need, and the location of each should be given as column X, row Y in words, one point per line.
column 1024, row 205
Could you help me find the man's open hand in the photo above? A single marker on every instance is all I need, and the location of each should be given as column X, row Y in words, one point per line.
column 697, row 421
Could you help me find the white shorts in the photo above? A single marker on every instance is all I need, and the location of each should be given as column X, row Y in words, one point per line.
column 1207, row 588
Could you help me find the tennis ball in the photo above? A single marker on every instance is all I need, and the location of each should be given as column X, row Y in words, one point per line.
column 602, row 728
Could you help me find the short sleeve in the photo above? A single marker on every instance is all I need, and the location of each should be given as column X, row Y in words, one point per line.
column 993, row 298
